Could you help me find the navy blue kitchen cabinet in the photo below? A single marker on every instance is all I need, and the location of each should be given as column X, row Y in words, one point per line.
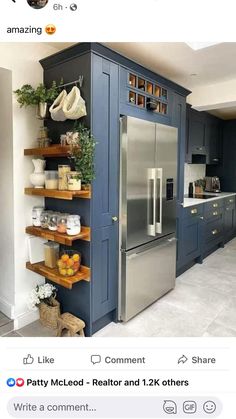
column 229, row 218
column 213, row 131
column 113, row 86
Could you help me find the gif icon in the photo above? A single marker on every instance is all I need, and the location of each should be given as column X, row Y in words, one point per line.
column 190, row 407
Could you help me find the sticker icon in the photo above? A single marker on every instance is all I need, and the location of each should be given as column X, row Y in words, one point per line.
column 20, row 382
column 170, row 407
column 209, row 407
column 11, row 382
column 50, row 29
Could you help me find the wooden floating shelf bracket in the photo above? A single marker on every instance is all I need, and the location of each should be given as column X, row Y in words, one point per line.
column 59, row 237
column 53, row 275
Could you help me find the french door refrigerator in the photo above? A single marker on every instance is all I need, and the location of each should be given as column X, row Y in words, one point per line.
column 148, row 179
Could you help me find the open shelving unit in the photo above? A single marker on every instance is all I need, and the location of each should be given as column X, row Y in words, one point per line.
column 59, row 237
column 53, row 275
column 56, row 150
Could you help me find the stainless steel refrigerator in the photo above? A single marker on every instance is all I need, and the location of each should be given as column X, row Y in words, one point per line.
column 148, row 179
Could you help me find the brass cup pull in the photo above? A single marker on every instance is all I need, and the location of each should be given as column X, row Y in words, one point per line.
column 214, row 232
column 215, row 205
column 215, row 213
column 194, row 211
column 114, row 219
column 231, row 200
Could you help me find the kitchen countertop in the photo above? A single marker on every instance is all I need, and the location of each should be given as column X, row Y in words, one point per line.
column 188, row 202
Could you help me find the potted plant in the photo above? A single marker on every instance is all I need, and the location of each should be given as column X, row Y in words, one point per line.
column 41, row 97
column 199, row 186
column 44, row 297
column 82, row 150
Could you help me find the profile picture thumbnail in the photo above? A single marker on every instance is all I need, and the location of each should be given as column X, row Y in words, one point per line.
column 37, row 4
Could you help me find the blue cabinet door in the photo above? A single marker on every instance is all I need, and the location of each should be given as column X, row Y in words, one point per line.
column 191, row 239
column 105, row 128
column 105, row 271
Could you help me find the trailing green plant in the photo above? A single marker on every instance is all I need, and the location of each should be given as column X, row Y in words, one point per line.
column 28, row 96
column 82, row 152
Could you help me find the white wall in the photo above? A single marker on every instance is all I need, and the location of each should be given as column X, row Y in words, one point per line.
column 22, row 61
column 193, row 172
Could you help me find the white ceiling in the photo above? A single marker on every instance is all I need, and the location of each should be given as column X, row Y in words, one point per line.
column 177, row 61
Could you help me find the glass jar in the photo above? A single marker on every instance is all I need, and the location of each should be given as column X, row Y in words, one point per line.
column 52, row 223
column 51, row 179
column 62, row 223
column 44, row 219
column 74, row 181
column 36, row 216
column 51, row 254
column 73, row 225
column 69, row 263
column 63, row 169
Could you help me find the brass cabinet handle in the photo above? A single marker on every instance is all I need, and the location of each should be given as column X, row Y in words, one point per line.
column 114, row 219
column 215, row 213
column 231, row 200
column 194, row 211
column 214, row 232
column 227, row 209
column 215, row 205
column 201, row 218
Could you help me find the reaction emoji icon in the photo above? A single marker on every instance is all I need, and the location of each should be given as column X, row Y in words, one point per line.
column 50, row 29
column 11, row 382
column 20, row 382
column 170, row 407
column 209, row 407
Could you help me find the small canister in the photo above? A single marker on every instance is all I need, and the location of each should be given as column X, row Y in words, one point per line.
column 51, row 254
column 52, row 223
column 51, row 179
column 36, row 216
column 62, row 223
column 63, row 169
column 74, row 181
column 44, row 219
column 73, row 225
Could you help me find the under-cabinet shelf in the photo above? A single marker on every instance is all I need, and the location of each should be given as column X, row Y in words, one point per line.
column 54, row 193
column 56, row 150
column 53, row 275
column 59, row 237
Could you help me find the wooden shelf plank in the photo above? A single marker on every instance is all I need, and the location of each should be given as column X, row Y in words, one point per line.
column 55, row 150
column 59, row 237
column 54, row 276
column 54, row 193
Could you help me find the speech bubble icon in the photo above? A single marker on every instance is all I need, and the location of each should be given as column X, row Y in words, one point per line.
column 96, row 359
column 170, row 407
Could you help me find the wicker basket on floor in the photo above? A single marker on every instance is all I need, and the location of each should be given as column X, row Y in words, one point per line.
column 49, row 314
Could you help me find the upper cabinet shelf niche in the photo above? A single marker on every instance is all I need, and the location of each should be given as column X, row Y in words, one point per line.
column 139, row 89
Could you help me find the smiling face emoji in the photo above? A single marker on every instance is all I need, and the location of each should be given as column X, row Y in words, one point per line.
column 209, row 407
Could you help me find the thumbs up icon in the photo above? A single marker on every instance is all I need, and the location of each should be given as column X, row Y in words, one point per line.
column 28, row 360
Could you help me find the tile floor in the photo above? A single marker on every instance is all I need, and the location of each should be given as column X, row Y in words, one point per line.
column 202, row 304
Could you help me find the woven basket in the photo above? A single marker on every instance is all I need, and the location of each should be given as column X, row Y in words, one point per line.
column 49, row 314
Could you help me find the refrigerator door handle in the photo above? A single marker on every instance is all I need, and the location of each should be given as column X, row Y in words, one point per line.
column 159, row 198
column 151, row 223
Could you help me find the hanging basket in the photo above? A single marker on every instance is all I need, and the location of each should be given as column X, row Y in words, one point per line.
column 49, row 314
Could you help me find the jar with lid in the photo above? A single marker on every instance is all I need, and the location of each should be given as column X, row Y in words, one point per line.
column 51, row 179
column 51, row 254
column 36, row 216
column 74, row 181
column 52, row 223
column 73, row 225
column 63, row 169
column 62, row 223
column 44, row 218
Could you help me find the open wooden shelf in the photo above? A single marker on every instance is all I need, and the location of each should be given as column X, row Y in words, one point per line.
column 59, row 237
column 54, row 193
column 54, row 276
column 55, row 150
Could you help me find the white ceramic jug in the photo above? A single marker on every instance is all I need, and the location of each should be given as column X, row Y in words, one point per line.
column 38, row 177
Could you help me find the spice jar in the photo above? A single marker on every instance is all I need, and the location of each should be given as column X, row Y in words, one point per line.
column 74, row 181
column 36, row 216
column 51, row 179
column 62, row 223
column 44, row 218
column 63, row 169
column 73, row 225
column 52, row 223
column 51, row 254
